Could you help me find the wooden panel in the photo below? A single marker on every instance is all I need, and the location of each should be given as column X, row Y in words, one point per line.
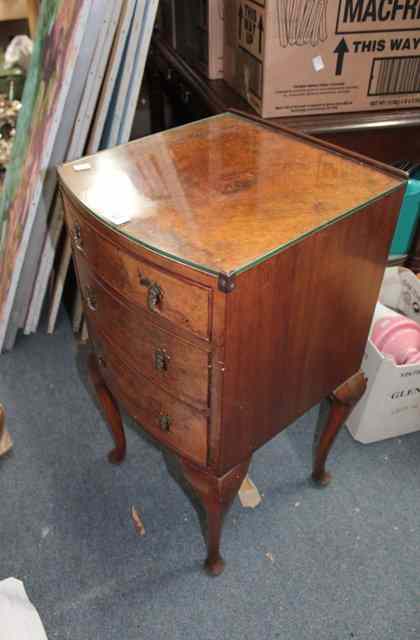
column 183, row 303
column 32, row 7
column 387, row 145
column 225, row 192
column 165, row 359
column 147, row 403
column 216, row 375
column 13, row 10
column 297, row 326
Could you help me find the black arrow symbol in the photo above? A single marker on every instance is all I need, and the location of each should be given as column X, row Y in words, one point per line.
column 261, row 30
column 341, row 50
column 241, row 15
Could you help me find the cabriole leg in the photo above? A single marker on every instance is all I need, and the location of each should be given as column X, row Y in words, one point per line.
column 5, row 439
column 333, row 413
column 110, row 408
column 216, row 496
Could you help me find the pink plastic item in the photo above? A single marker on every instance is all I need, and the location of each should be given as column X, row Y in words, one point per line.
column 398, row 337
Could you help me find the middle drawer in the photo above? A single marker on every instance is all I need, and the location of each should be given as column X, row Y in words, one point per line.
column 167, row 360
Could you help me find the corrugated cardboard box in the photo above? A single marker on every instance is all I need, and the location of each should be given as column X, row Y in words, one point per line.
column 301, row 57
column 199, row 26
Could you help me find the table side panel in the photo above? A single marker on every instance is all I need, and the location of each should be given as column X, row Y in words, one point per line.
column 297, row 326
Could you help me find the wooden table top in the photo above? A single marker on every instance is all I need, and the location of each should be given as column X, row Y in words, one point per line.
column 224, row 193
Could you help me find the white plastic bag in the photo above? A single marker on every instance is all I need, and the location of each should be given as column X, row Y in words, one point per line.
column 19, row 619
column 19, row 53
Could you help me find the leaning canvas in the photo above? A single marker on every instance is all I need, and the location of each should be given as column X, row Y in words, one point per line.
column 59, row 37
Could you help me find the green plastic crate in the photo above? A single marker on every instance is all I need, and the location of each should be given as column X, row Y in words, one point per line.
column 408, row 218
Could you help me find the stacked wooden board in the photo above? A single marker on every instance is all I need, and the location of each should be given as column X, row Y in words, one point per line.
column 95, row 108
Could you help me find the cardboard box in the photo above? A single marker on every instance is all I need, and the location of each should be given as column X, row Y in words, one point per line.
column 390, row 406
column 302, row 57
column 200, row 31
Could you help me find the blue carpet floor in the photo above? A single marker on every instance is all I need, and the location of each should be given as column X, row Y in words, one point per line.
column 335, row 564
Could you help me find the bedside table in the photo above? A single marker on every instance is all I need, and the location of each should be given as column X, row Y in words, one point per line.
column 229, row 272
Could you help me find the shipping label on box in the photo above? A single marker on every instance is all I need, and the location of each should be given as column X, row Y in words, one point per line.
column 300, row 57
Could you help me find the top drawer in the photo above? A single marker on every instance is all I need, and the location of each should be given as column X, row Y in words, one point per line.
column 179, row 301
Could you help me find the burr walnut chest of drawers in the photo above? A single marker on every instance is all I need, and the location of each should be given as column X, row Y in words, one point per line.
column 229, row 271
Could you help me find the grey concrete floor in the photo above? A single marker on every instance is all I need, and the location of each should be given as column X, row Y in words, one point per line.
column 331, row 564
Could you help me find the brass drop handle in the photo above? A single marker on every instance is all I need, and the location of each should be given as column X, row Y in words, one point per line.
column 154, row 294
column 161, row 360
column 154, row 297
column 77, row 237
column 165, row 423
column 90, row 298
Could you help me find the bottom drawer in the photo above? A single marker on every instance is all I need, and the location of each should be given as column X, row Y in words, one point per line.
column 170, row 421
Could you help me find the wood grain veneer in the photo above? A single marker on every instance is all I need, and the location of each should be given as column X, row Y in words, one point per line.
column 203, row 193
column 166, row 359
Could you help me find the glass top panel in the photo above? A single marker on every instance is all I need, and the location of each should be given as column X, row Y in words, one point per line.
column 223, row 193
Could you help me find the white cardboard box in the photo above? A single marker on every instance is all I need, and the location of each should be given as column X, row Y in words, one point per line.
column 390, row 406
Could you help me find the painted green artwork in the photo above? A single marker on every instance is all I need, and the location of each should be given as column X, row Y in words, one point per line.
column 54, row 53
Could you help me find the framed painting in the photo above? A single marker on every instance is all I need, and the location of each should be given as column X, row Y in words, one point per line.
column 60, row 33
